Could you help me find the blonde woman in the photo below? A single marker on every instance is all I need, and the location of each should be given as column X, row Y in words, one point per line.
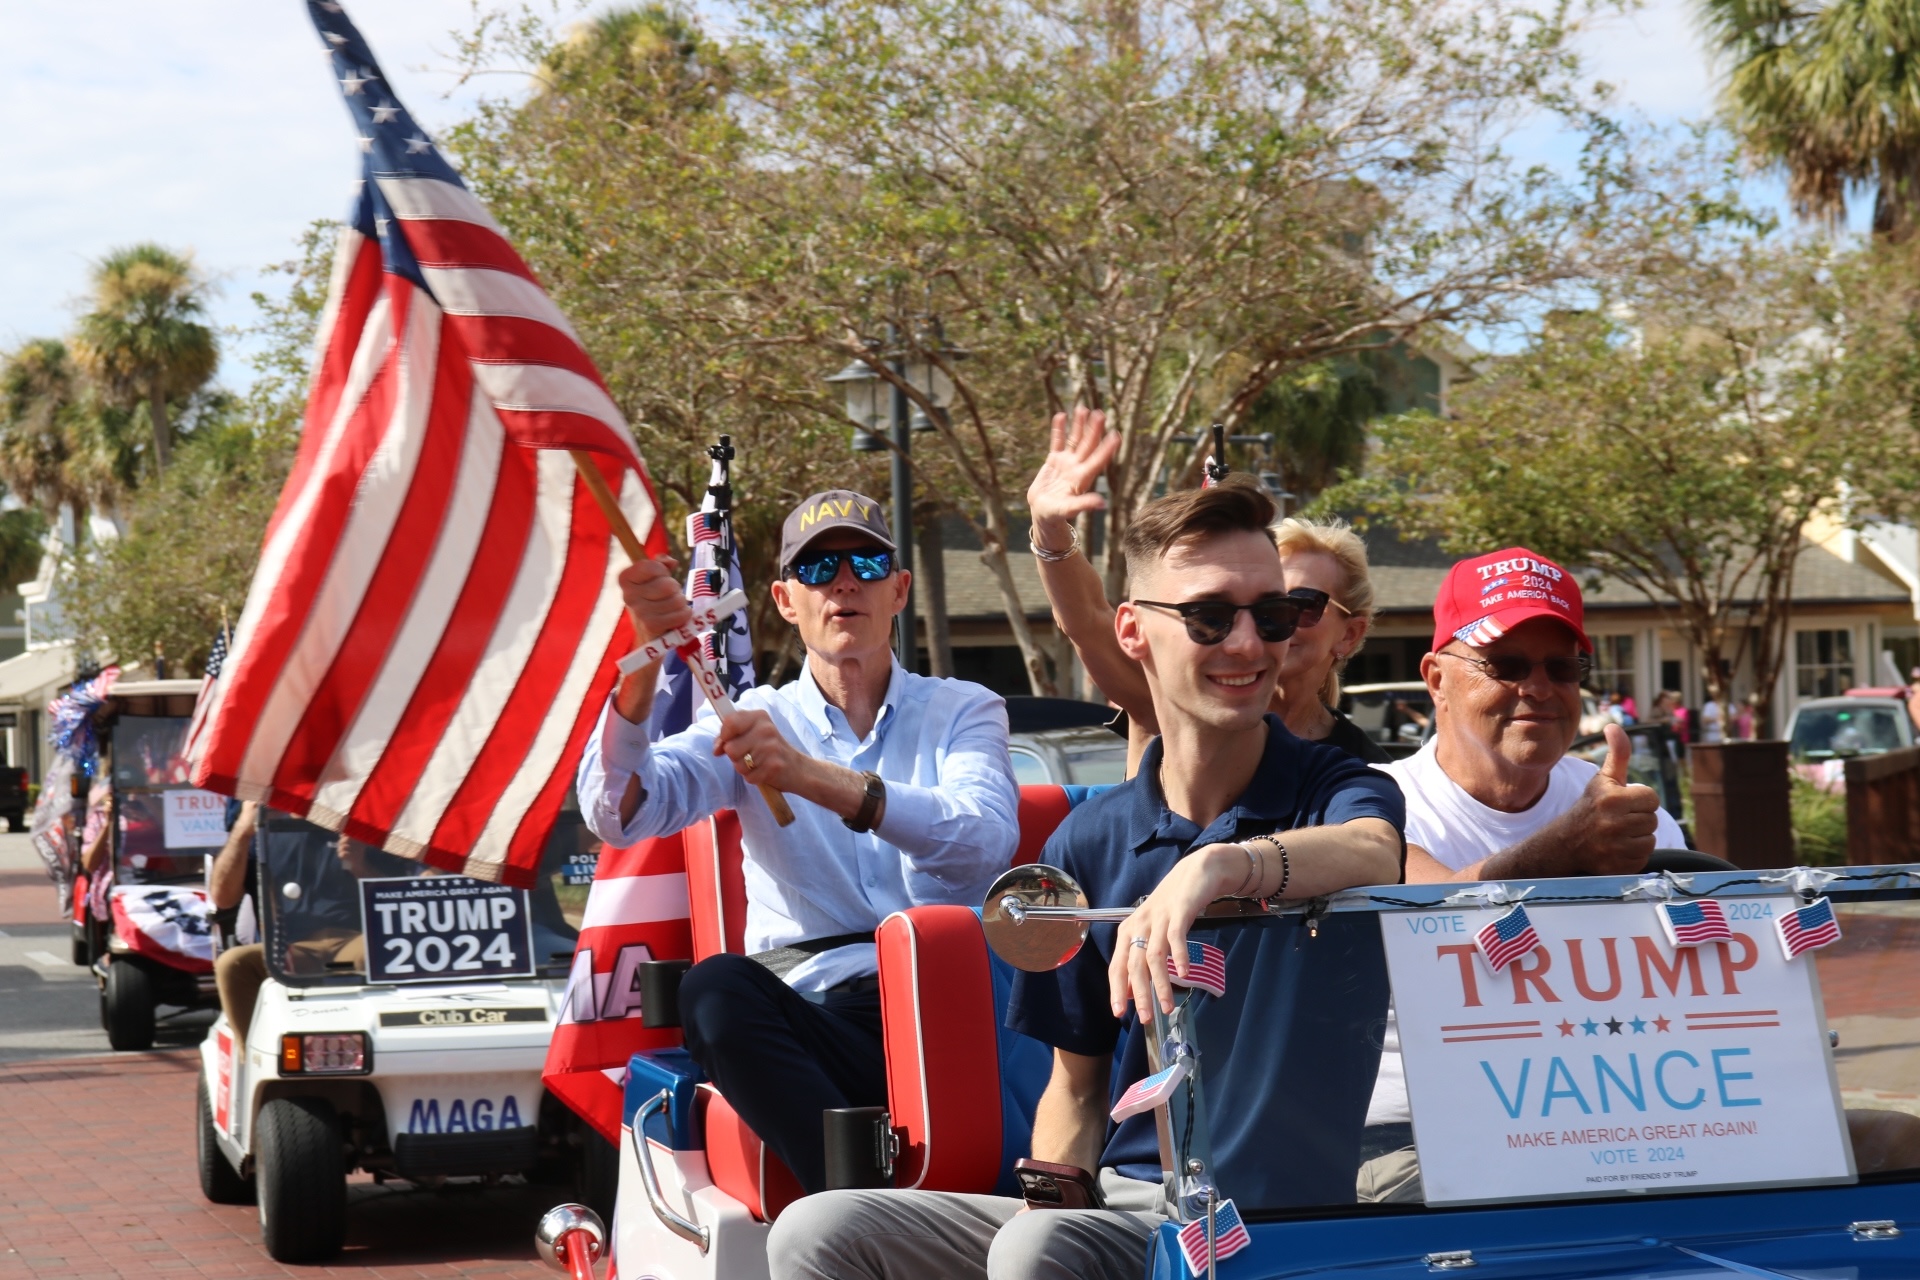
column 1317, row 558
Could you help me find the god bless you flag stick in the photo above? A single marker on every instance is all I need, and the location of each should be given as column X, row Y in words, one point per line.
column 434, row 622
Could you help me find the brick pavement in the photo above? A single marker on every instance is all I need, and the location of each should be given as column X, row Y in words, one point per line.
column 97, row 1182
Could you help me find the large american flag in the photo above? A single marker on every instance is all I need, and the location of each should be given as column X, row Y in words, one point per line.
column 434, row 620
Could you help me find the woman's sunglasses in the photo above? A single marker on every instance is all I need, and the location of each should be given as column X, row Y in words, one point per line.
column 870, row 564
column 1211, row 621
column 1313, row 604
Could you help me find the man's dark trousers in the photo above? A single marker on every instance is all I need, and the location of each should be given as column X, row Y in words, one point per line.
column 780, row 1058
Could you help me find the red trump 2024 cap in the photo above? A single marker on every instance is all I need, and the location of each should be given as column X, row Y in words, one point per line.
column 1487, row 596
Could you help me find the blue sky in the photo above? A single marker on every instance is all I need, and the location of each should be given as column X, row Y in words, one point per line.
column 214, row 124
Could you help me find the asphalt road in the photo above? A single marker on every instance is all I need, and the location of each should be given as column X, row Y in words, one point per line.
column 50, row 1007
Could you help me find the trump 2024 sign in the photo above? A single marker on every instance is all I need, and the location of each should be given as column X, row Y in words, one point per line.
column 1606, row 1061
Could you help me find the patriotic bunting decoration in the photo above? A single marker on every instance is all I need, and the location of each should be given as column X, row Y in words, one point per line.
column 1692, row 924
column 71, row 716
column 1507, row 939
column 1149, row 1093
column 169, row 923
column 1229, row 1237
column 1808, row 929
column 1206, row 969
column 434, row 622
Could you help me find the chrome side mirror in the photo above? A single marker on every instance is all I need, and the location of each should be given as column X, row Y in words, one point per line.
column 564, row 1228
column 1036, row 918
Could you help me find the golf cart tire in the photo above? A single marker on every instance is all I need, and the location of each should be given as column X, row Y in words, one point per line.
column 16, row 822
column 300, row 1174
column 128, row 1004
column 219, row 1181
column 597, row 1173
column 82, row 956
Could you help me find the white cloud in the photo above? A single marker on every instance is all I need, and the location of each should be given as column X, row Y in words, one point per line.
column 209, row 124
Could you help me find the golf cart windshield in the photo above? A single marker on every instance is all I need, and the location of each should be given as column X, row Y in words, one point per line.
column 146, row 765
column 311, row 881
column 1370, row 1058
column 1821, row 733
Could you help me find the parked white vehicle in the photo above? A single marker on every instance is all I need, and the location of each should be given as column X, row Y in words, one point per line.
column 401, row 1030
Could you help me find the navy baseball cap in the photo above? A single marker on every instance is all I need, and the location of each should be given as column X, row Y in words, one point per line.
column 826, row 512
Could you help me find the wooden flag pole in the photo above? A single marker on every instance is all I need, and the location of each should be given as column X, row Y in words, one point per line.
column 636, row 551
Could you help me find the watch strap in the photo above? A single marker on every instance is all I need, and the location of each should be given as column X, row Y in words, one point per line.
column 871, row 804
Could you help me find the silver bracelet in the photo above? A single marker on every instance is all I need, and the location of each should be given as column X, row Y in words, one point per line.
column 1051, row 556
column 1256, row 871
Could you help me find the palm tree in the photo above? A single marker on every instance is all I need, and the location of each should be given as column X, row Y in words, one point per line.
column 54, row 449
column 143, row 342
column 1830, row 94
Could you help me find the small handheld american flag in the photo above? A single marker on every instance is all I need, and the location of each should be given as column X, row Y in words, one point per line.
column 1808, row 929
column 1206, row 969
column 1691, row 924
column 1229, row 1237
column 1149, row 1093
column 1507, row 939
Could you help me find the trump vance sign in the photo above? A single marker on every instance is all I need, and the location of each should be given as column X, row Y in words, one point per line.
column 1606, row 1061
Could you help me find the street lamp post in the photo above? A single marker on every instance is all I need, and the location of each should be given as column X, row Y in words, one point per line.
column 873, row 400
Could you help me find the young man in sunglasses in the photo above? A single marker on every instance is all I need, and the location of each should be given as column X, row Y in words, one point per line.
column 902, row 792
column 1493, row 794
column 1227, row 803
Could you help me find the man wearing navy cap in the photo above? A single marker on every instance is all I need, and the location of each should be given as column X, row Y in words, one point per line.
column 1226, row 803
column 902, row 792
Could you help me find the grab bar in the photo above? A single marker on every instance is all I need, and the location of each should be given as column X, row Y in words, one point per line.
column 685, row 1228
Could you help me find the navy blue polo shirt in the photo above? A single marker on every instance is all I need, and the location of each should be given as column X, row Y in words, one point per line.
column 1289, row 1055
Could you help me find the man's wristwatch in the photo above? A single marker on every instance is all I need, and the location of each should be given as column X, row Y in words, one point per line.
column 872, row 805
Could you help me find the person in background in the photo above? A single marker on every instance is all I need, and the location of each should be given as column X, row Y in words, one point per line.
column 1713, row 722
column 1628, row 708
column 1325, row 565
column 241, row 966
column 1913, row 696
column 1743, row 719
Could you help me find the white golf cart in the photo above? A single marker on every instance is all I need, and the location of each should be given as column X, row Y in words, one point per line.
column 401, row 1030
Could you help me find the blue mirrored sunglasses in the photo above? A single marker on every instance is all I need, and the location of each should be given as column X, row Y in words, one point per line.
column 870, row 564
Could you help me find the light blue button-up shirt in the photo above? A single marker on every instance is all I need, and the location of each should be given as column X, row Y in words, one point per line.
column 951, row 825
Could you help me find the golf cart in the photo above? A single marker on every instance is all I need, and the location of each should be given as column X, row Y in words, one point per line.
column 1680, row 1075
column 400, row 1030
column 154, row 946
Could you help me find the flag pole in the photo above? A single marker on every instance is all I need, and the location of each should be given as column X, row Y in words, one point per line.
column 636, row 551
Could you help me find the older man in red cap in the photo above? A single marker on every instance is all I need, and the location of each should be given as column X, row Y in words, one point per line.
column 1494, row 794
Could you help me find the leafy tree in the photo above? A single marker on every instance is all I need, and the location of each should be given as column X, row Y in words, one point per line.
column 144, row 343
column 1682, row 440
column 1164, row 208
column 1829, row 93
column 56, row 441
column 193, row 534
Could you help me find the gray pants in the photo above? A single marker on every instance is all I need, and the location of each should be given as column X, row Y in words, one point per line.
column 941, row 1235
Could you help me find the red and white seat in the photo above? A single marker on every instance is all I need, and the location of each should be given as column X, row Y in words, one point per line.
column 941, row 1028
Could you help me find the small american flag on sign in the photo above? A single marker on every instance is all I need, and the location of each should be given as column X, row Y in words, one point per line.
column 705, row 583
column 1808, row 929
column 1229, row 1237
column 1206, row 969
column 1149, row 1093
column 1507, row 939
column 1690, row 924
column 703, row 526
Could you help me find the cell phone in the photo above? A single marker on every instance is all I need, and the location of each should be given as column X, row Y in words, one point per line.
column 1057, row 1186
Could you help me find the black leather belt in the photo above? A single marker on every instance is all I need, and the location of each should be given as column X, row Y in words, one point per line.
column 783, row 960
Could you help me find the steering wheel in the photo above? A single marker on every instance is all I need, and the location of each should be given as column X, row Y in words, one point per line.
column 1682, row 861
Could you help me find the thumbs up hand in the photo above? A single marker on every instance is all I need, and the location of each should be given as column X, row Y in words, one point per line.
column 1611, row 829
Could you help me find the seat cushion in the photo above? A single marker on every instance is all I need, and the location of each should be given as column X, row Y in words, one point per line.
column 1042, row 808
column 740, row 1164
column 943, row 1069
